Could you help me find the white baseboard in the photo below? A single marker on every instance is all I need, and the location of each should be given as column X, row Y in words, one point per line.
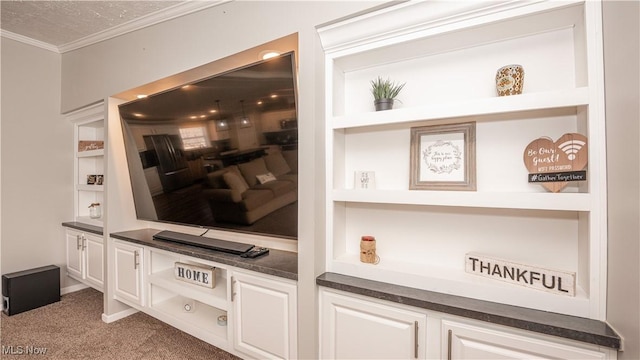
column 72, row 288
column 119, row 315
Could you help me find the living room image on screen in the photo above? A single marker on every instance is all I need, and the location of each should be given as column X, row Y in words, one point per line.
column 219, row 153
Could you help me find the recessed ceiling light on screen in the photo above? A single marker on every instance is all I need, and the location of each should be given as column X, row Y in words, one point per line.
column 268, row 54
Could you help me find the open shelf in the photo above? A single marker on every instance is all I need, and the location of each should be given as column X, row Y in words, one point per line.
column 452, row 281
column 216, row 297
column 90, row 221
column 448, row 54
column 506, row 200
column 90, row 153
column 203, row 317
column 84, row 187
column 89, row 125
column 557, row 99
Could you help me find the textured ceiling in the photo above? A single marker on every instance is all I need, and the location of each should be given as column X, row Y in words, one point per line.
column 61, row 22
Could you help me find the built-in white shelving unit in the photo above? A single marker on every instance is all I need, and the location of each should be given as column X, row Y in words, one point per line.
column 89, row 125
column 448, row 54
column 243, row 312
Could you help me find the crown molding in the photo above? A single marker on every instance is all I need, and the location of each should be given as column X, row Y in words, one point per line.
column 166, row 14
column 28, row 41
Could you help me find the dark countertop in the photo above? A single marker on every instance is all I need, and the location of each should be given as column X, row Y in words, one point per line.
column 565, row 326
column 279, row 263
column 83, row 227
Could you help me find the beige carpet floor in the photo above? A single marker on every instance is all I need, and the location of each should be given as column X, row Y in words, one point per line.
column 73, row 329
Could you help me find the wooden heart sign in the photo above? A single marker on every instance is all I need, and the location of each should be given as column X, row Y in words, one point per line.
column 568, row 154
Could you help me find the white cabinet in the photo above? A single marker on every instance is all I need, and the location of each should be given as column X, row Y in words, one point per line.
column 85, row 257
column 448, row 54
column 249, row 314
column 127, row 267
column 469, row 341
column 264, row 316
column 89, row 169
column 354, row 328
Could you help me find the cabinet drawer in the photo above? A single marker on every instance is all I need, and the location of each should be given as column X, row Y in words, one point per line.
column 462, row 340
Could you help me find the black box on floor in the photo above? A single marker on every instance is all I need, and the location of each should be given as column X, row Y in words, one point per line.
column 30, row 289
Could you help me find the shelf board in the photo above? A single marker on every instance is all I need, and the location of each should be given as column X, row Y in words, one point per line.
column 85, row 187
column 204, row 317
column 89, row 221
column 215, row 297
column 457, row 282
column 498, row 200
column 476, row 107
column 90, row 153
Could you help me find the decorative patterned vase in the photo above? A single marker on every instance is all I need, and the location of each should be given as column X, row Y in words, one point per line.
column 509, row 80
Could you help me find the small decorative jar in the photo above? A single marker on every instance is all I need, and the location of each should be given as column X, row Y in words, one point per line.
column 510, row 80
column 95, row 211
column 368, row 250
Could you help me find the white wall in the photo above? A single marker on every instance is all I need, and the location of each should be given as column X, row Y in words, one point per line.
column 36, row 157
column 622, row 87
column 110, row 67
column 113, row 66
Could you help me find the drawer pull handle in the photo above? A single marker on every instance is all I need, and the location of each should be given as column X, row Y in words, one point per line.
column 415, row 339
column 449, row 336
column 135, row 259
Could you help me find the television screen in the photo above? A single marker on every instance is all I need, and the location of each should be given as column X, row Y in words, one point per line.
column 220, row 153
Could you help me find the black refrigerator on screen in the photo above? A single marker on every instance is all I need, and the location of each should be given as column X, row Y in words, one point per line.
column 171, row 161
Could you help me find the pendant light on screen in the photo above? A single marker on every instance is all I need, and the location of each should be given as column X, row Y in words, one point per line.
column 221, row 124
column 244, row 120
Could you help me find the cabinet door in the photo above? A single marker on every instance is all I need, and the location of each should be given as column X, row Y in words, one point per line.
column 265, row 317
column 74, row 254
column 464, row 341
column 353, row 328
column 128, row 273
column 94, row 260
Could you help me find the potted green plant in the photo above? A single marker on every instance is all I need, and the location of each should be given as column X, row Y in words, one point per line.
column 384, row 93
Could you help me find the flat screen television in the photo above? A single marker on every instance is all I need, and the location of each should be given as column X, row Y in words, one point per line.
column 219, row 153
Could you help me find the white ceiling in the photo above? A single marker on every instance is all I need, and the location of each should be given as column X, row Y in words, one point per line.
column 66, row 25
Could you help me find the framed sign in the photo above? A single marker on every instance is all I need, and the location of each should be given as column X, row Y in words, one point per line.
column 554, row 164
column 443, row 157
column 194, row 274
column 549, row 280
